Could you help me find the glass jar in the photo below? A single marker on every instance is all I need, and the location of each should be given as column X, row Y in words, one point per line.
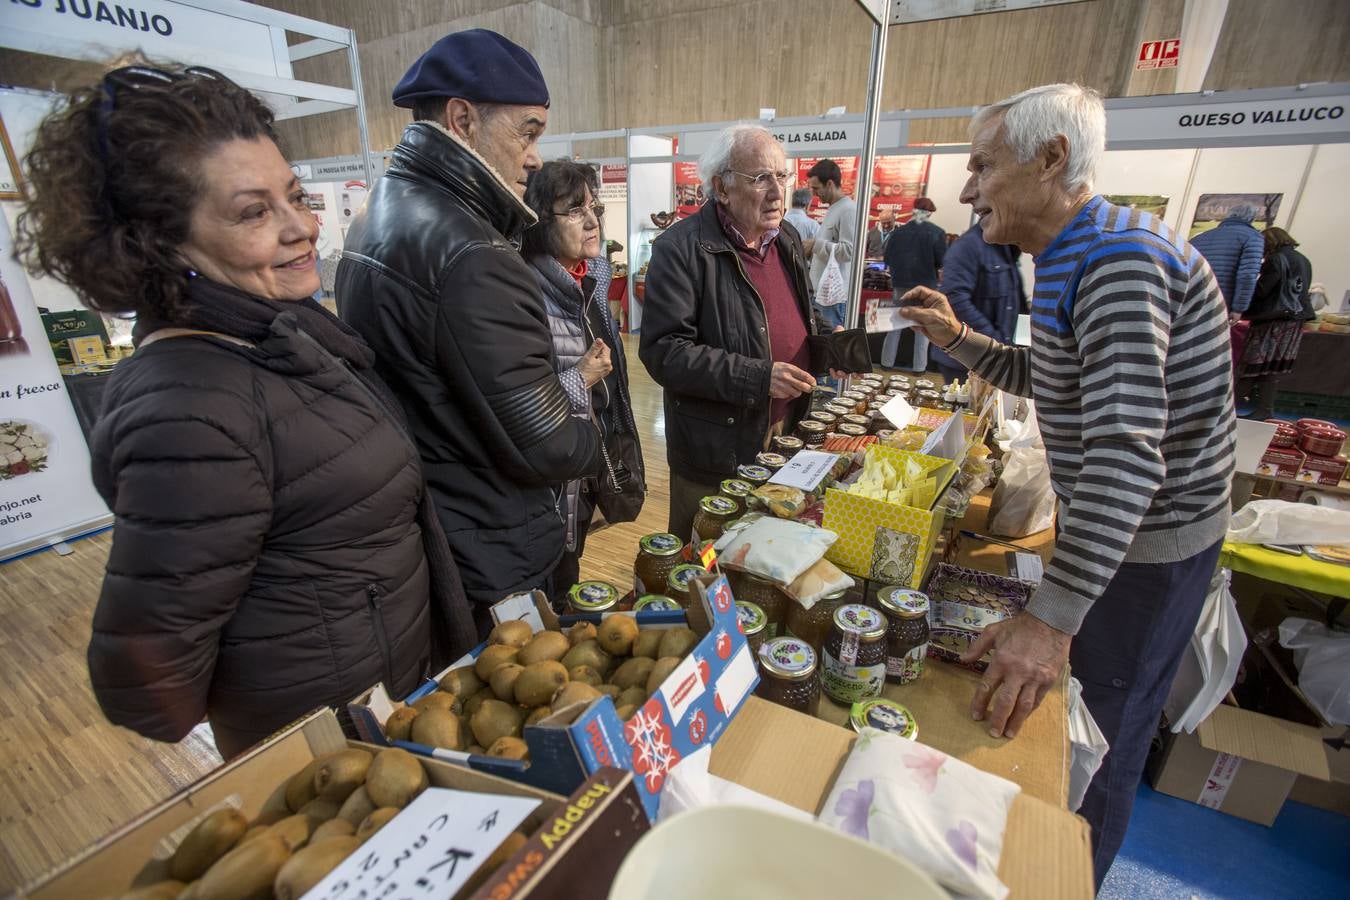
column 857, row 399
column 737, row 491
column 824, row 418
column 857, row 419
column 928, row 383
column 755, row 474
column 592, row 597
column 655, row 603
column 848, row 429
column 884, row 434
column 788, row 676
column 658, row 553
column 839, row 408
column 677, row 585
column 811, row 625
column 886, row 715
column 787, row 444
column 929, row 399
column 770, row 460
column 853, row 658
column 713, row 515
column 764, row 594
column 811, row 432
column 906, row 612
column 753, row 624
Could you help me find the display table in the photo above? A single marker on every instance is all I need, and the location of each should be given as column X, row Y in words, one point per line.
column 1295, row 571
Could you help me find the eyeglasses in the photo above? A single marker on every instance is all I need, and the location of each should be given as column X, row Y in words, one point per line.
column 577, row 214
column 136, row 78
column 760, row 183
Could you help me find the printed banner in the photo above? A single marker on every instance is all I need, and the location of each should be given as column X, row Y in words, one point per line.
column 688, row 189
column 897, row 181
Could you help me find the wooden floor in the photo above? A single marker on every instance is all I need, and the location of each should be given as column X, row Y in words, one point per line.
column 67, row 776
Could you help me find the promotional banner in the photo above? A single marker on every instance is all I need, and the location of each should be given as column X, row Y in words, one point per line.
column 688, row 189
column 1211, row 209
column 613, row 183
column 897, row 181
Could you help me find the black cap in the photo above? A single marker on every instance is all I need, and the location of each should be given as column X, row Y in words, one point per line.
column 476, row 65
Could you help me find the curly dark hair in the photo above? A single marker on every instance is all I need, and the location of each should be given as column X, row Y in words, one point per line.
column 113, row 177
column 558, row 181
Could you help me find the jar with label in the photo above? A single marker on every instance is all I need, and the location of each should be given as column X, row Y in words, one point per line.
column 764, row 594
column 770, row 460
column 929, row 399
column 853, row 658
column 811, row 432
column 811, row 625
column 658, row 554
column 857, row 399
column 787, row 675
column 787, row 444
column 753, row 624
column 677, row 585
column 656, row 603
column 592, row 597
column 755, row 474
column 906, row 612
column 713, row 515
column 738, row 491
column 884, row 715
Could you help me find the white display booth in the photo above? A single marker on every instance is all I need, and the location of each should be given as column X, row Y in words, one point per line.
column 46, row 497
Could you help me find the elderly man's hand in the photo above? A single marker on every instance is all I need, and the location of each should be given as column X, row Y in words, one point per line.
column 596, row 364
column 931, row 314
column 1028, row 657
column 787, row 381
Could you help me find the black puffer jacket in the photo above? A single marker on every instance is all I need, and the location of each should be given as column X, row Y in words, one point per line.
column 706, row 341
column 430, row 279
column 266, row 558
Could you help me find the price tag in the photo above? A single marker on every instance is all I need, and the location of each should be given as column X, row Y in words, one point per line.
column 1026, row 566
column 518, row 606
column 805, row 470
column 898, row 412
column 430, row 849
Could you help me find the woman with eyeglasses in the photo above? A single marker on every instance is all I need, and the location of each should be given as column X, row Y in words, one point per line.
column 565, row 249
column 273, row 549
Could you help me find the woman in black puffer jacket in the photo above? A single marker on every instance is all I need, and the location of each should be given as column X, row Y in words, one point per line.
column 273, row 550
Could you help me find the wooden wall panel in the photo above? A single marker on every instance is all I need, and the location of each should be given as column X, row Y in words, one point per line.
column 1266, row 44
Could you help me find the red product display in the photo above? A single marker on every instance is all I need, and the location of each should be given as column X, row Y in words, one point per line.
column 1286, row 435
column 1280, row 462
column 1322, row 469
column 1321, row 441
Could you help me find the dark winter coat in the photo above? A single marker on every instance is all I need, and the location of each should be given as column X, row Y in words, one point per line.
column 1233, row 250
column 430, row 278
column 913, row 254
column 266, row 558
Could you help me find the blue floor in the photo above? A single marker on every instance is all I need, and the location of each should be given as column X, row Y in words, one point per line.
column 1176, row 849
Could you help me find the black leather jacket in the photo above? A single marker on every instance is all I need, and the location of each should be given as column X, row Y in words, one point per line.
column 705, row 340
column 431, row 279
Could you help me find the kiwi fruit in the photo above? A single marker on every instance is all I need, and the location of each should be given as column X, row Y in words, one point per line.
column 584, row 674
column 494, row 719
column 633, row 672
column 538, row 714
column 253, row 832
column 462, row 682
column 300, row 789
column 211, row 839
column 357, row 806
column 544, row 645
column 477, row 750
column 587, row 653
column 610, row 690
column 438, row 700
column 676, row 642
column 509, row 747
column 160, row 890
column 509, row 847
column 398, row 727
column 321, row 810
column 503, row 681
column 573, row 692
column 340, row 774
column 471, row 705
column 331, row 829
column 616, row 635
column 660, row 672
column 394, row 778
column 514, row 633
column 308, row 867
column 270, row 816
column 295, row 830
column 247, row 872
column 438, row 728
column 492, row 657
column 375, row 821
column 648, row 642
column 581, row 631
column 633, row 695
column 626, row 711
column 537, row 682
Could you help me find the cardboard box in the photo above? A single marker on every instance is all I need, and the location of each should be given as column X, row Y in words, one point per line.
column 1334, row 794
column 1239, row 762
column 63, row 325
column 137, row 853
column 857, row 519
column 691, row 707
column 794, row 758
column 1321, row 469
column 1280, row 462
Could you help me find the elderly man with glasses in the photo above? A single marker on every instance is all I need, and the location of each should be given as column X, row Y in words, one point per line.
column 726, row 317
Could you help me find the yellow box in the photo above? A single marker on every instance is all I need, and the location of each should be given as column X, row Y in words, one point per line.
column 856, row 518
column 88, row 350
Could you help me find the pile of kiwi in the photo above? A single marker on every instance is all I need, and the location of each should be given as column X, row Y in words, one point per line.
column 332, row 806
column 522, row 677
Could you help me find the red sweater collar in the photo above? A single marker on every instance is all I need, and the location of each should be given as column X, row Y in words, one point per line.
column 578, row 272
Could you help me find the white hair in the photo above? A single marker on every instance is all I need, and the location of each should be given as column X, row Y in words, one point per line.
column 716, row 160
column 1037, row 115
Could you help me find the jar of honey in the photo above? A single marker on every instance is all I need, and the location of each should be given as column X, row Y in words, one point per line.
column 677, row 585
column 811, row 432
column 738, row 491
column 811, row 625
column 765, row 594
column 788, row 676
column 713, row 515
column 658, row 554
column 906, row 613
column 592, row 597
column 753, row 624
column 853, row 658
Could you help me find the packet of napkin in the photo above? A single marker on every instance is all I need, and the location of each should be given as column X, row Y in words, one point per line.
column 776, row 549
column 939, row 813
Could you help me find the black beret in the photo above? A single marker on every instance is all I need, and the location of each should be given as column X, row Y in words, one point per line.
column 476, row 65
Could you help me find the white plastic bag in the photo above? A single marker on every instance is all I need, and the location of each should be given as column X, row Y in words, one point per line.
column 1087, row 743
column 1282, row 522
column 1323, row 660
column 1210, row 667
column 1024, row 501
column 831, row 291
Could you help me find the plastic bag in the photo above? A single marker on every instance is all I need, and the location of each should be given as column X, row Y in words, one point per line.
column 1282, row 522
column 1087, row 743
column 1323, row 660
column 1024, row 501
column 831, row 291
column 1209, row 670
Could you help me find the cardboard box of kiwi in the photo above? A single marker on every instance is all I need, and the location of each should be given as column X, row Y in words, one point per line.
column 549, row 707
column 240, row 832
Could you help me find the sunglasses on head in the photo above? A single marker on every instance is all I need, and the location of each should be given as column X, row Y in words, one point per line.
column 136, row 78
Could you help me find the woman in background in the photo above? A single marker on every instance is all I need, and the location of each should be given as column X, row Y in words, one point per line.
column 1277, row 312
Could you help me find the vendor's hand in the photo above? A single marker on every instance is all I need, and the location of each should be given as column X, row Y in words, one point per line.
column 595, row 364
column 1028, row 657
column 787, row 381
column 931, row 314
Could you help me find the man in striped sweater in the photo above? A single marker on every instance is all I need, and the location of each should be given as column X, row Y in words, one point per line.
column 1129, row 367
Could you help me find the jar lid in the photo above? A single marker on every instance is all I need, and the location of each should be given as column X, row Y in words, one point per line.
column 823, row 417
column 718, row 505
column 788, row 657
column 788, row 442
column 681, row 575
column 811, row 426
column 660, row 543
column 850, row 429
column 751, row 617
column 593, row 596
column 855, row 419
column 754, row 473
column 884, row 433
column 834, row 595
column 655, row 603
column 736, row 487
column 854, row 395
column 904, row 602
column 771, row 460
column 884, row 715
column 864, row 620
column 1326, row 432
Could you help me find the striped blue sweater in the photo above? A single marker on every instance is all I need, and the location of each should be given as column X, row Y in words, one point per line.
column 1130, row 368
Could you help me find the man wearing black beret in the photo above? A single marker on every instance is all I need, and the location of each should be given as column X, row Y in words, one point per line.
column 432, row 278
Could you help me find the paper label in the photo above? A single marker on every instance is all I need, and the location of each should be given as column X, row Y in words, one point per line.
column 1220, row 779
column 898, row 411
column 909, row 667
column 805, row 470
column 518, row 606
column 847, row 683
column 682, row 687
column 1027, row 567
column 431, row 848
